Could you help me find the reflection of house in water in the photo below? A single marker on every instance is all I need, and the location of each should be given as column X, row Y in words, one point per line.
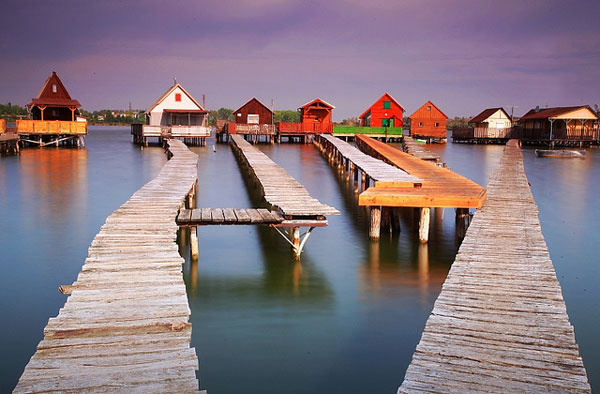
column 176, row 114
column 54, row 117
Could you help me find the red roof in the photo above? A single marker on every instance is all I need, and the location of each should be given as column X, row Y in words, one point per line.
column 186, row 111
column 546, row 113
column 385, row 95
column 317, row 101
column 428, row 103
column 486, row 114
column 253, row 99
column 54, row 94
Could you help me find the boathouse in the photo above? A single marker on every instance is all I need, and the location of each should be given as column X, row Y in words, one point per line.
column 560, row 123
column 491, row 123
column 53, row 117
column 428, row 122
column 315, row 118
column 385, row 112
column 253, row 119
column 176, row 114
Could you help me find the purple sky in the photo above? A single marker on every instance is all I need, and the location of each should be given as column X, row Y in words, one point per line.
column 463, row 55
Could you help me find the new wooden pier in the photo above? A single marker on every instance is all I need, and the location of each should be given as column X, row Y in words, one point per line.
column 283, row 194
column 440, row 187
column 500, row 323
column 125, row 326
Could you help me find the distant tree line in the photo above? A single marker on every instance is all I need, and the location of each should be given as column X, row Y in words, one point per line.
column 227, row 114
column 108, row 116
column 11, row 112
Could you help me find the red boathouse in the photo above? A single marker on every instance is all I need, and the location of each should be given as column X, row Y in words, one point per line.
column 428, row 122
column 315, row 118
column 385, row 112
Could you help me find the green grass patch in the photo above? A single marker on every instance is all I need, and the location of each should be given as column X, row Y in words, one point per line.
column 397, row 131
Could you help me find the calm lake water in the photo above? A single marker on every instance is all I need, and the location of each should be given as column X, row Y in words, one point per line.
column 345, row 319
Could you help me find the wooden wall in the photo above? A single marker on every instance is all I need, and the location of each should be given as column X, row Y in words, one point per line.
column 378, row 112
column 428, row 121
column 265, row 116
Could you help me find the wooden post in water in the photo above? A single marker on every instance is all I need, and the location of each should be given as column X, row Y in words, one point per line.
column 463, row 219
column 424, row 225
column 295, row 237
column 194, row 242
column 375, row 227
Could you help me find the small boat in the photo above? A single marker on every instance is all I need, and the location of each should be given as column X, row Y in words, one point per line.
column 420, row 141
column 562, row 153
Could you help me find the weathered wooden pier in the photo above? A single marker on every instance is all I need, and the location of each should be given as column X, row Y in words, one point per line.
column 283, row 194
column 125, row 326
column 412, row 147
column 9, row 143
column 500, row 323
column 440, row 187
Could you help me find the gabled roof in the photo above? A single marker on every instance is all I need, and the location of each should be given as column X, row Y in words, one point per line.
column 424, row 105
column 60, row 98
column 385, row 95
column 169, row 91
column 253, row 99
column 486, row 113
column 546, row 113
column 317, row 100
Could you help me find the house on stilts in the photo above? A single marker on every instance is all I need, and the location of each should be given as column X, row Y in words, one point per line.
column 315, row 118
column 428, row 123
column 253, row 120
column 176, row 114
column 53, row 117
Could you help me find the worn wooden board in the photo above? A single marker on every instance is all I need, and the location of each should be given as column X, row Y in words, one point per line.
column 500, row 324
column 125, row 327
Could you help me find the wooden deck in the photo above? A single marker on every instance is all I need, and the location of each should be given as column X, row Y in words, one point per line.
column 440, row 188
column 280, row 190
column 9, row 144
column 412, row 147
column 383, row 175
column 125, row 326
column 500, row 324
column 231, row 216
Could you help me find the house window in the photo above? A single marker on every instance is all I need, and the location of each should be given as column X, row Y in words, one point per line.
column 252, row 118
column 437, row 124
column 54, row 88
column 387, row 104
column 420, row 124
column 429, row 108
column 177, row 96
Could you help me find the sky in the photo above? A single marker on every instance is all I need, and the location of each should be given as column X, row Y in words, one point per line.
column 464, row 55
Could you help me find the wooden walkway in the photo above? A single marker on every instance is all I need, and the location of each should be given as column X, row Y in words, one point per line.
column 382, row 174
column 500, row 324
column 412, row 147
column 125, row 326
column 280, row 190
column 207, row 216
column 441, row 188
column 9, row 144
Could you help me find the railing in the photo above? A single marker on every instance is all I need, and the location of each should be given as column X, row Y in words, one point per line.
column 395, row 131
column 492, row 132
column 304, row 128
column 2, row 126
column 463, row 132
column 236, row 128
column 169, row 131
column 587, row 134
column 56, row 127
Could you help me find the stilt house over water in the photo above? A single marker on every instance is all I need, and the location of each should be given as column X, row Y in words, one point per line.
column 253, row 119
column 54, row 117
column 492, row 123
column 176, row 114
column 315, row 118
column 560, row 123
column 385, row 112
column 428, row 122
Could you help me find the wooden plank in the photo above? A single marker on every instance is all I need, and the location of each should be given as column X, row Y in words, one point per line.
column 216, row 215
column 205, row 215
column 229, row 215
column 255, row 217
column 242, row 216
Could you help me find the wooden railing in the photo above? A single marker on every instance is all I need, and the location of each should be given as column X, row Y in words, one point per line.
column 237, row 128
column 587, row 134
column 2, row 126
column 169, row 131
column 304, row 128
column 55, row 127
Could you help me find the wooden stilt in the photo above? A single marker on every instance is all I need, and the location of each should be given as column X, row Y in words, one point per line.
column 194, row 242
column 386, row 219
column 424, row 225
column 463, row 219
column 375, row 228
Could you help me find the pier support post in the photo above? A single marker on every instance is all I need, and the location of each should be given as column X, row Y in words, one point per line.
column 424, row 225
column 375, row 227
column 194, row 242
column 463, row 219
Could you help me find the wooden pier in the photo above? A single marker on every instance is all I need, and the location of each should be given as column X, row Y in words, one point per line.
column 440, row 187
column 500, row 323
column 9, row 144
column 125, row 326
column 412, row 147
column 283, row 194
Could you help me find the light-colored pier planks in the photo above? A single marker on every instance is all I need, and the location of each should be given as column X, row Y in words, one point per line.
column 231, row 216
column 382, row 174
column 500, row 323
column 125, row 328
column 280, row 190
column 412, row 147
